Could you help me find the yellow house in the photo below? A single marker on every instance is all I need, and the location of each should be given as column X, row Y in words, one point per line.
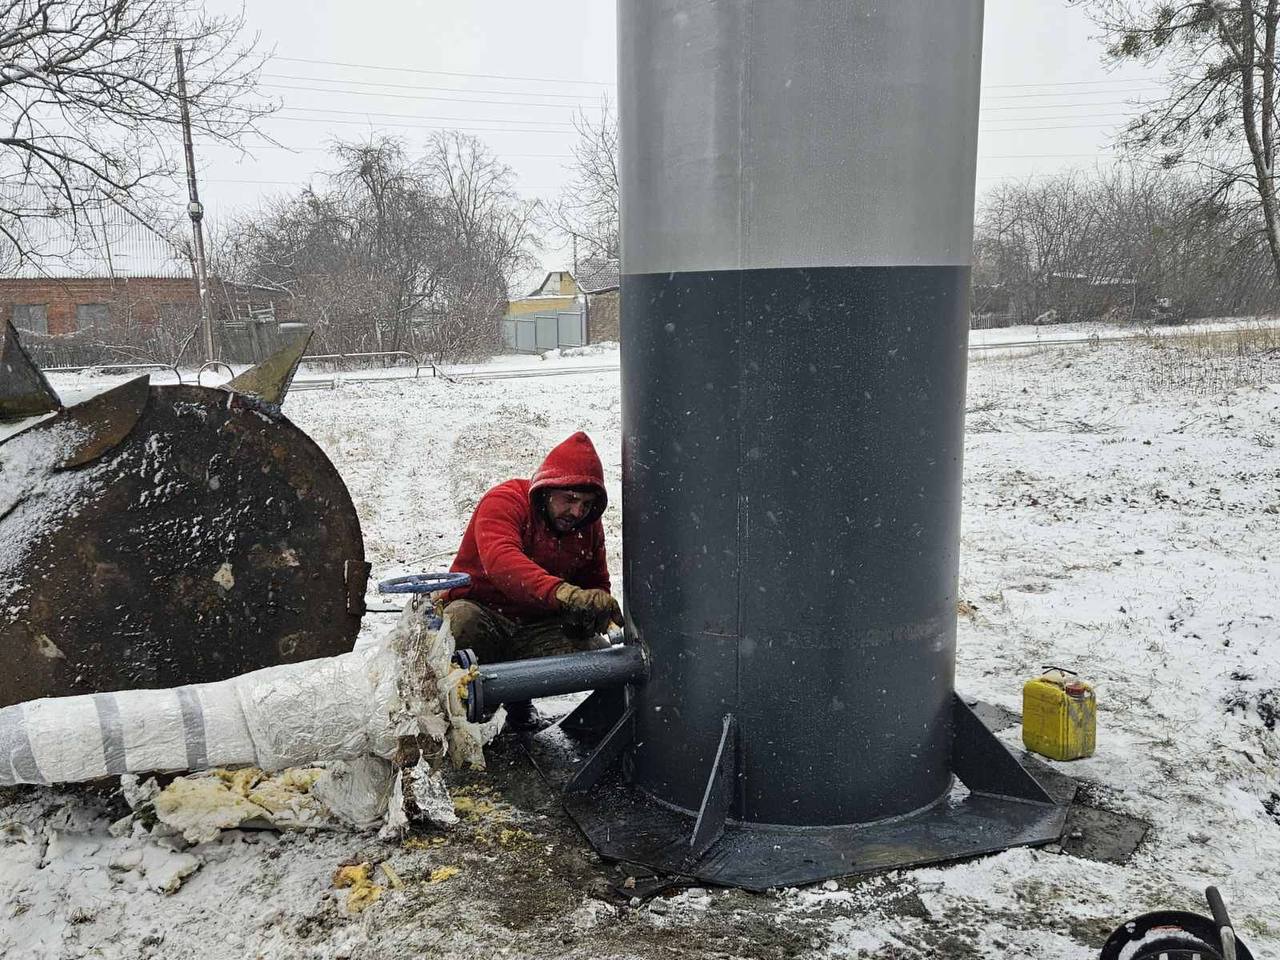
column 565, row 310
column 558, row 292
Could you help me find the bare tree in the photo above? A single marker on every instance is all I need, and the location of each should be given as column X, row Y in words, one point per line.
column 490, row 239
column 1129, row 242
column 358, row 257
column 1219, row 114
column 397, row 225
column 89, row 104
column 394, row 253
column 1032, row 235
column 588, row 211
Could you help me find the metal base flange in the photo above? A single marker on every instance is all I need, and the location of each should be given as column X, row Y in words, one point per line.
column 1001, row 805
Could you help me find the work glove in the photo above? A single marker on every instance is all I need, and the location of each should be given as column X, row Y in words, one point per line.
column 594, row 609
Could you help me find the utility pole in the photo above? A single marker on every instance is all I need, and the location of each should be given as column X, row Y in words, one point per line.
column 196, row 212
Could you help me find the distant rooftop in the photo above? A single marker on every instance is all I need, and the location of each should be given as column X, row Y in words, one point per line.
column 597, row 276
column 106, row 241
column 592, row 276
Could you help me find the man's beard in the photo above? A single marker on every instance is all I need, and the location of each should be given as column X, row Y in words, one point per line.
column 567, row 525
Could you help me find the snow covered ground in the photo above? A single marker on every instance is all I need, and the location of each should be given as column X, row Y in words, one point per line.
column 1122, row 518
column 1096, row 330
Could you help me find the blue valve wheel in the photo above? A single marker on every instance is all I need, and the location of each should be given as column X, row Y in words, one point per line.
column 424, row 583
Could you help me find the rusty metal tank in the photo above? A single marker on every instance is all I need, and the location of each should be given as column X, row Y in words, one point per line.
column 155, row 536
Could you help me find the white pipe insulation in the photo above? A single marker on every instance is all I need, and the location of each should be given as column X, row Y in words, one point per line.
column 356, row 705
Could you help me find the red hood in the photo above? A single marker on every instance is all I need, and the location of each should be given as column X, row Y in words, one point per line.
column 574, row 463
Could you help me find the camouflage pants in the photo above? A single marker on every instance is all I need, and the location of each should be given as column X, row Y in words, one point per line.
column 496, row 639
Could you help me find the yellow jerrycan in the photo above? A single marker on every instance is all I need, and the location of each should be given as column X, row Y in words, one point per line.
column 1059, row 715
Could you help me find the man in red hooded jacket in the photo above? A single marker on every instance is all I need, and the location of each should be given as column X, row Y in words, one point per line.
column 535, row 553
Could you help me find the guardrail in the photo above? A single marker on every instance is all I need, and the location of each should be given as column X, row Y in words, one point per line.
column 1092, row 340
column 522, row 373
column 103, row 367
column 418, row 365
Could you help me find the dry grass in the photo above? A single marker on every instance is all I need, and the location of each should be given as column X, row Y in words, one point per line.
column 1245, row 340
column 1202, row 362
column 1214, row 361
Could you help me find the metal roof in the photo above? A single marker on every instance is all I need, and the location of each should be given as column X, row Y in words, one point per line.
column 105, row 240
column 591, row 276
column 597, row 276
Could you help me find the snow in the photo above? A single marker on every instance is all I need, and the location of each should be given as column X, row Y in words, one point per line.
column 1121, row 518
column 1092, row 329
column 568, row 358
column 34, row 495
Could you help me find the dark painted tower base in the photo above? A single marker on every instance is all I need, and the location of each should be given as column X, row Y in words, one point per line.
column 996, row 804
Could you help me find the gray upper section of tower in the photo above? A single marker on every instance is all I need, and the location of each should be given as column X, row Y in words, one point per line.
column 742, row 154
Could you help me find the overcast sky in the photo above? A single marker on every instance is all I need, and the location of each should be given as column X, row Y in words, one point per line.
column 513, row 72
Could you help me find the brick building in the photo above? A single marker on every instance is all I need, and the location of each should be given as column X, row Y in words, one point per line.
column 61, row 306
column 111, row 269
column 599, row 282
column 112, row 280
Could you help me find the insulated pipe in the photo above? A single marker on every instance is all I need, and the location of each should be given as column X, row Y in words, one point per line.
column 360, row 704
column 338, row 708
column 797, row 215
column 550, row 676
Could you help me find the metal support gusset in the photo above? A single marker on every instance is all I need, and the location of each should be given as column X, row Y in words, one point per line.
column 718, row 797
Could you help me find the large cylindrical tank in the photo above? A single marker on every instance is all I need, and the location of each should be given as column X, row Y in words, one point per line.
column 797, row 191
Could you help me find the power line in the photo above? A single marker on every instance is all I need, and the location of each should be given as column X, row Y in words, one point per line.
column 566, row 106
column 1083, row 117
column 421, row 126
column 1114, row 81
column 560, row 123
column 415, row 116
column 559, row 106
column 1113, row 118
column 987, row 109
column 1122, row 83
column 445, row 73
column 580, row 98
column 330, row 91
column 334, row 88
column 305, row 181
column 1069, row 106
column 414, row 86
column 411, row 96
column 1036, row 114
column 1069, row 83
column 1036, row 156
column 294, row 149
column 502, row 155
column 568, row 156
column 1072, row 93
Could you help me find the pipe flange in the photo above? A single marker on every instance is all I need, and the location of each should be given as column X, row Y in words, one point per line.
column 466, row 659
column 475, row 700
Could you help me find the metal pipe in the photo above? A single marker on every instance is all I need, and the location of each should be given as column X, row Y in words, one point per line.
column 551, row 676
